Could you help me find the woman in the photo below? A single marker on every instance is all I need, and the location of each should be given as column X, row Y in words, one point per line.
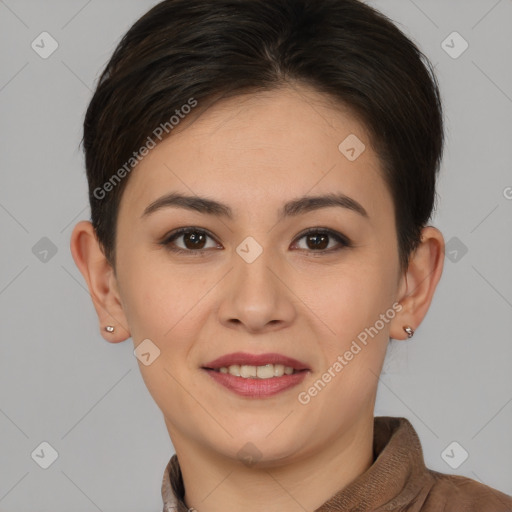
column 261, row 175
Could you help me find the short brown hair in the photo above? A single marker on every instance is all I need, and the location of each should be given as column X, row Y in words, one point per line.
column 202, row 49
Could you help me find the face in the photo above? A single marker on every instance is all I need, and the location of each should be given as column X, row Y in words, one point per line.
column 256, row 281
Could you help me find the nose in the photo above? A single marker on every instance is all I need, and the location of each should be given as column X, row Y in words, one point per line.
column 257, row 297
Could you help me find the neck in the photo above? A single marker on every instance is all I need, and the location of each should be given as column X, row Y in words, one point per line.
column 215, row 483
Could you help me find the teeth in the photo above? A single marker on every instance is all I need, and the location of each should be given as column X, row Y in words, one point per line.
column 267, row 371
column 278, row 370
column 234, row 370
column 247, row 371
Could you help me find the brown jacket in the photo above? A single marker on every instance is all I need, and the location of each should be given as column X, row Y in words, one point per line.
column 397, row 481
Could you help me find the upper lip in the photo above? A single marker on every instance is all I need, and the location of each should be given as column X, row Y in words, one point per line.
column 243, row 358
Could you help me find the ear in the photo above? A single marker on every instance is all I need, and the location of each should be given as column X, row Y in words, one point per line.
column 419, row 282
column 101, row 281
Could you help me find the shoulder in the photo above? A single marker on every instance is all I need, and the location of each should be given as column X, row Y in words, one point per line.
column 465, row 495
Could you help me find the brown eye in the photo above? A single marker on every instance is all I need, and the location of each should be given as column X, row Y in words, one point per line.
column 317, row 240
column 193, row 240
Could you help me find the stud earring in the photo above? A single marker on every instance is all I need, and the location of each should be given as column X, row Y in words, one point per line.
column 109, row 328
column 409, row 331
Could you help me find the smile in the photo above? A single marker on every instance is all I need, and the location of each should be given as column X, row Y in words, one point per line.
column 267, row 371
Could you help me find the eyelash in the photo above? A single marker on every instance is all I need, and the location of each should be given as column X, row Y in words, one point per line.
column 166, row 242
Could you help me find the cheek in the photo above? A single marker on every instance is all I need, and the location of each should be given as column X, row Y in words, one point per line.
column 351, row 300
column 160, row 300
column 352, row 356
column 163, row 307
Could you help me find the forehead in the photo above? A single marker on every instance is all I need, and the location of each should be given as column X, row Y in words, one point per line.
column 262, row 148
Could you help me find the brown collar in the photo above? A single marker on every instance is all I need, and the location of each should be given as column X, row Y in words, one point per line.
column 397, row 477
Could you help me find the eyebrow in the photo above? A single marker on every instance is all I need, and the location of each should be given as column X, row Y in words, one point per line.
column 290, row 209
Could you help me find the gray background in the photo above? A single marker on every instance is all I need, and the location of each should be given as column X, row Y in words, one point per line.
column 60, row 382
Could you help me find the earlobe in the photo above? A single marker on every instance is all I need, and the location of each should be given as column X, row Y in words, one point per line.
column 419, row 283
column 100, row 279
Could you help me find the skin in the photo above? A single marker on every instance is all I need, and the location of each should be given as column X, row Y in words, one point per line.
column 254, row 153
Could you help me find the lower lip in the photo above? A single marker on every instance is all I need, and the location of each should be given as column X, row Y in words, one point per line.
column 257, row 388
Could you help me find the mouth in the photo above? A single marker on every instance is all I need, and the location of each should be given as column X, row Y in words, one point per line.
column 261, row 366
column 267, row 371
column 256, row 376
